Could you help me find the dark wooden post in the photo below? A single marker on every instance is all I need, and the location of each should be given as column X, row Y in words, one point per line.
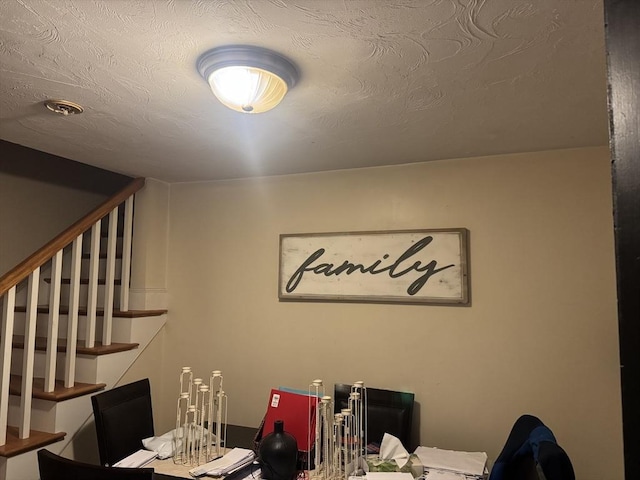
column 622, row 32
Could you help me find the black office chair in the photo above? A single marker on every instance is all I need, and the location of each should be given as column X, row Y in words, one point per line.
column 123, row 418
column 388, row 411
column 54, row 467
column 532, row 453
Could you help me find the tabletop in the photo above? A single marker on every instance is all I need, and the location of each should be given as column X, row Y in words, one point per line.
column 237, row 436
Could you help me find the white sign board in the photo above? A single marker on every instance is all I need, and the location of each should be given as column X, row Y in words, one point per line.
column 416, row 266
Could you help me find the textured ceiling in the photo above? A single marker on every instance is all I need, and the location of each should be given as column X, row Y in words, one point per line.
column 383, row 82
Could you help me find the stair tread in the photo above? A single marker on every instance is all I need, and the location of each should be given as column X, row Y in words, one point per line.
column 37, row 439
column 60, row 392
column 64, row 310
column 97, row 350
column 83, row 281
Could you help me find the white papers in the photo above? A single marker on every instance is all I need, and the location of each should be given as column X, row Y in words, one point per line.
column 254, row 474
column 229, row 463
column 389, row 476
column 166, row 443
column 163, row 444
column 442, row 475
column 136, row 459
column 467, row 463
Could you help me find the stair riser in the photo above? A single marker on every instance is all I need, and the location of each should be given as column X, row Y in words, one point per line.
column 48, row 416
column 84, row 265
column 22, row 467
column 139, row 330
column 43, row 295
column 84, row 268
column 124, row 329
column 89, row 368
column 43, row 414
column 86, row 366
column 42, row 325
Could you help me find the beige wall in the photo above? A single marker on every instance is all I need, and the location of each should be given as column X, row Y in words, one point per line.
column 32, row 212
column 150, row 237
column 540, row 336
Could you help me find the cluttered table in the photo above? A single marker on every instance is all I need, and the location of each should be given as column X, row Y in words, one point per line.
column 434, row 463
column 237, row 436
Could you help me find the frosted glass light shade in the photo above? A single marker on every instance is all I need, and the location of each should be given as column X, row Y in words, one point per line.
column 247, row 79
column 247, row 89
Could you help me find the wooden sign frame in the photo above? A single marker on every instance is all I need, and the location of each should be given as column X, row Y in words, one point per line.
column 402, row 266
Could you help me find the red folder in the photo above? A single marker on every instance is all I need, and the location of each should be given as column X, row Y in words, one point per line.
column 297, row 411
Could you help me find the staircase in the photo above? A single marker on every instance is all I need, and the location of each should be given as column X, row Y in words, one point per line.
column 67, row 332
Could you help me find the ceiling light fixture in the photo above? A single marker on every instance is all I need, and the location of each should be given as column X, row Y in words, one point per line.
column 248, row 79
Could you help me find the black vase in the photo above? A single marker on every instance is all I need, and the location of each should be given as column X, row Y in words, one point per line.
column 278, row 454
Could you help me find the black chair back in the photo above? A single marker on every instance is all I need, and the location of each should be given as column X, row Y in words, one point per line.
column 123, row 418
column 532, row 453
column 55, row 467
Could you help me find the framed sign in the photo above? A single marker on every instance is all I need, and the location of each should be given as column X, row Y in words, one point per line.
column 406, row 266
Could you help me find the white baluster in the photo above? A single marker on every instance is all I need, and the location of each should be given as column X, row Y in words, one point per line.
column 54, row 316
column 29, row 354
column 8, row 307
column 92, row 289
column 72, row 317
column 110, row 277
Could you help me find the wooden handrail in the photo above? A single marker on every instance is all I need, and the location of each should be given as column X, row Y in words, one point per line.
column 44, row 254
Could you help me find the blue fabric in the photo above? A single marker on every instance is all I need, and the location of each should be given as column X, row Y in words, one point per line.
column 497, row 472
column 538, row 435
column 524, row 440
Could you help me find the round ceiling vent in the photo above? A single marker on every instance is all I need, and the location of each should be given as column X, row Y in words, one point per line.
column 63, row 107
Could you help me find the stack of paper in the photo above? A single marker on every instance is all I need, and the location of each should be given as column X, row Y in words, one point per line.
column 449, row 464
column 230, row 463
column 137, row 459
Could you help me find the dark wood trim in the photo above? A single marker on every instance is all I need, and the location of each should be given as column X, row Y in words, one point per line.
column 37, row 259
column 97, row 350
column 137, row 313
column 37, row 439
column 622, row 33
column 64, row 310
column 60, row 392
column 83, row 281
